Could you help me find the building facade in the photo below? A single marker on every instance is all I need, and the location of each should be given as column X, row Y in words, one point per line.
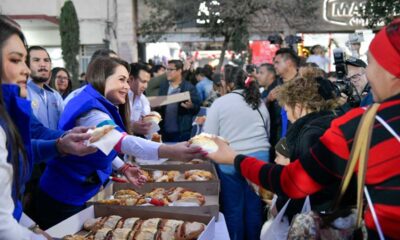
column 103, row 24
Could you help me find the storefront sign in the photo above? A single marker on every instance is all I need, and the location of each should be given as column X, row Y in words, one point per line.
column 344, row 13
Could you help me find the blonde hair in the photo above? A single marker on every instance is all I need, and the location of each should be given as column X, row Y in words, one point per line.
column 309, row 70
column 305, row 91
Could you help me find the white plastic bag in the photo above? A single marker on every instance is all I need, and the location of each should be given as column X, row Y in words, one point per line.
column 279, row 228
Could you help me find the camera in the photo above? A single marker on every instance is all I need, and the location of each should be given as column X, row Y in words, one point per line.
column 340, row 63
column 293, row 39
column 275, row 39
column 343, row 84
column 250, row 68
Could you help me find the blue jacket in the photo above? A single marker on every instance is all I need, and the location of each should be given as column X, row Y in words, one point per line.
column 38, row 150
column 41, row 138
column 71, row 179
column 367, row 100
column 22, row 177
column 20, row 111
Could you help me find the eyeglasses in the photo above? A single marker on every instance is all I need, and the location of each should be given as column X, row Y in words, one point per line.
column 356, row 76
column 62, row 78
column 171, row 69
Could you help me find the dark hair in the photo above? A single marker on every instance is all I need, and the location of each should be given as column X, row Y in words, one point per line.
column 54, row 72
column 315, row 47
column 104, row 52
column 157, row 68
column 10, row 21
column 251, row 92
column 228, row 70
column 207, row 71
column 270, row 67
column 216, row 78
column 177, row 63
column 309, row 64
column 137, row 67
column 14, row 140
column 97, row 73
column 199, row 71
column 35, row 48
column 289, row 54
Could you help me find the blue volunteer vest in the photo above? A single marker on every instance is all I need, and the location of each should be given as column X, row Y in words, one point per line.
column 71, row 179
column 20, row 112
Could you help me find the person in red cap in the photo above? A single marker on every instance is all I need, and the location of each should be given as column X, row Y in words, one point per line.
column 325, row 163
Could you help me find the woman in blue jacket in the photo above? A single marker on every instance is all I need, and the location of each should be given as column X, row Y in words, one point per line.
column 39, row 143
column 15, row 146
column 68, row 182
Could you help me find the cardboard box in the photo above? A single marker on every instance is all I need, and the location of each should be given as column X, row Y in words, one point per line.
column 183, row 167
column 194, row 162
column 210, row 192
column 165, row 100
column 74, row 224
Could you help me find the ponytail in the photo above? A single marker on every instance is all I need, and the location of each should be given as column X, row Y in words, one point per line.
column 251, row 92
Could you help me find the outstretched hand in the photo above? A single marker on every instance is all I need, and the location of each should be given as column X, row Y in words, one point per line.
column 224, row 155
column 141, row 128
column 181, row 151
column 74, row 143
column 135, row 176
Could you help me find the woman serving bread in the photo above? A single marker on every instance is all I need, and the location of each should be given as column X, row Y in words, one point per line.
column 68, row 182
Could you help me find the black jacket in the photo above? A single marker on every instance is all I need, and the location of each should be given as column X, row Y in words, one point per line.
column 185, row 116
column 301, row 136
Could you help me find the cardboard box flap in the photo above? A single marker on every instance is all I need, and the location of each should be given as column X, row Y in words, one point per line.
column 72, row 224
column 165, row 100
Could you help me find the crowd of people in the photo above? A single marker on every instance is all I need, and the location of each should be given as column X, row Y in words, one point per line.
column 290, row 127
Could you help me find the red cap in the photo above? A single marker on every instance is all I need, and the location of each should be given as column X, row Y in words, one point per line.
column 385, row 53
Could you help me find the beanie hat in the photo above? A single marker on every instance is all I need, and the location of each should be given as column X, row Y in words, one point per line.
column 385, row 48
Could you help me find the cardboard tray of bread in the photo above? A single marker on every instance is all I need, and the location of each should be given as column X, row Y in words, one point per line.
column 112, row 222
column 182, row 197
column 165, row 173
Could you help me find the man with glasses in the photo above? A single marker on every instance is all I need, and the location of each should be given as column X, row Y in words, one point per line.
column 178, row 117
column 356, row 74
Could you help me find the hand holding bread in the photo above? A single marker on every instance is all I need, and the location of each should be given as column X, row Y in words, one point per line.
column 206, row 142
column 223, row 154
column 152, row 117
column 100, row 132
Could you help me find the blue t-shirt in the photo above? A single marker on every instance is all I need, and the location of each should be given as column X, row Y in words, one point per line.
column 204, row 88
column 46, row 104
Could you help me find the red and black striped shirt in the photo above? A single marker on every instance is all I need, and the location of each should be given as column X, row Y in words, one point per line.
column 327, row 159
